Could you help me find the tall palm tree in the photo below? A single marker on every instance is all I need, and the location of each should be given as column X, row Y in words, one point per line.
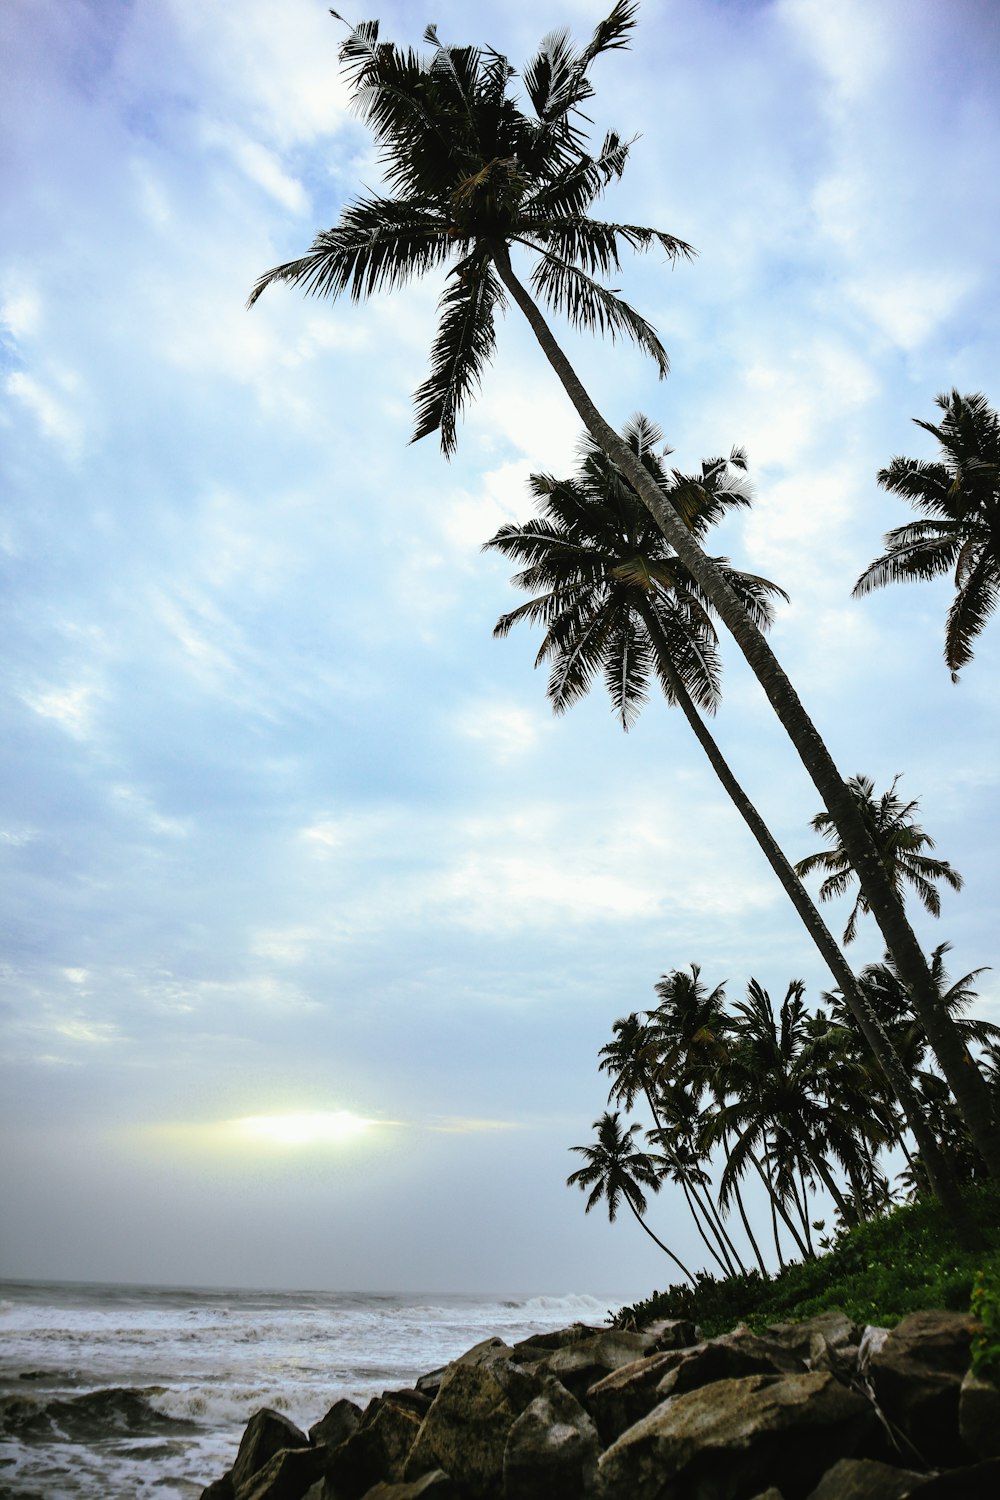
column 958, row 498
column 472, row 175
column 615, row 600
column 777, row 1107
column 615, row 1170
column 900, row 841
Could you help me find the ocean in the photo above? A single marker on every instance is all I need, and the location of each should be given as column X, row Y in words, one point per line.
column 142, row 1392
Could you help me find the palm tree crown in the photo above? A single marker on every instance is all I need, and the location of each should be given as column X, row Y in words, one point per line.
column 472, row 173
column 611, row 592
column 959, row 500
column 899, row 841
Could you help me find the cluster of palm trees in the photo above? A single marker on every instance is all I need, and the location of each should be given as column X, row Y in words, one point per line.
column 622, row 583
column 782, row 1096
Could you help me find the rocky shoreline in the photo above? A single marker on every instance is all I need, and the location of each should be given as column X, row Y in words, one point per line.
column 820, row 1410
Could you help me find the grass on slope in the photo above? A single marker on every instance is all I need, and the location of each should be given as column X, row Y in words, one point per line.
column 877, row 1273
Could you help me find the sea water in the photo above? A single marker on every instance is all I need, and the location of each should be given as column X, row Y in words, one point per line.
column 136, row 1392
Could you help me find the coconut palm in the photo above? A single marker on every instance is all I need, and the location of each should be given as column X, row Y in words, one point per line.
column 900, row 841
column 958, row 498
column 615, row 1170
column 473, row 175
column 778, row 1110
column 616, row 601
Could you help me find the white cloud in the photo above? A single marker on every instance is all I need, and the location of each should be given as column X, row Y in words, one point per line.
column 73, row 708
column 506, row 730
column 51, row 405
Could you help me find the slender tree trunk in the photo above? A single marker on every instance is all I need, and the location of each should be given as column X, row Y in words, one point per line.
column 942, row 1182
column 721, row 1231
column 724, row 1266
column 778, row 1205
column 666, row 1250
column 746, row 1225
column 964, row 1078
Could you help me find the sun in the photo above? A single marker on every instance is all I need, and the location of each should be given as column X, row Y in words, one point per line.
column 303, row 1128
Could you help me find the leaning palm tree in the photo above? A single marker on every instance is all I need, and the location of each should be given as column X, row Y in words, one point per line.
column 615, row 1169
column 473, row 175
column 900, row 841
column 958, row 498
column 616, row 601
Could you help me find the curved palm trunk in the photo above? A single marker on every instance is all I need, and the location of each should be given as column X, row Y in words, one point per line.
column 964, row 1078
column 666, row 1250
column 942, row 1182
column 724, row 1265
column 746, row 1226
column 689, row 1194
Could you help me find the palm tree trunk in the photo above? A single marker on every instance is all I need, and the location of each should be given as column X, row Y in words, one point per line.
column 778, row 1205
column 942, row 1181
column 724, row 1266
column 666, row 1250
column 719, row 1228
column 964, row 1078
column 746, row 1226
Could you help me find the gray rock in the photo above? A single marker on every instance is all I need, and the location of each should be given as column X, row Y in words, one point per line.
column 338, row 1424
column 813, row 1336
column 265, row 1434
column 917, row 1377
column 727, row 1440
column 219, row 1489
column 376, row 1450
column 286, row 1475
column 465, row 1432
column 437, row 1485
column 627, row 1395
column 970, row 1482
column 727, row 1358
column 979, row 1415
column 669, row 1333
column 866, row 1479
column 537, row 1345
column 551, row 1449
column 582, row 1364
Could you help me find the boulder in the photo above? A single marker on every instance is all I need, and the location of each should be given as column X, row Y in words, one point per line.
column 866, row 1479
column 730, row 1439
column 917, row 1377
column 627, row 1395
column 338, row 1424
column 219, row 1489
column 727, row 1358
column 465, row 1432
column 979, row 1414
column 437, row 1485
column 286, row 1475
column 669, row 1333
column 812, row 1337
column 969, row 1482
column 376, row 1450
column 537, row 1345
column 580, row 1365
column 551, row 1449
column 266, row 1433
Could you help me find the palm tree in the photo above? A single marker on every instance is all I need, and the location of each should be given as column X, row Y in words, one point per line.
column 958, row 499
column 615, row 600
column 616, row 1170
column 473, row 175
column 778, row 1109
column 899, row 840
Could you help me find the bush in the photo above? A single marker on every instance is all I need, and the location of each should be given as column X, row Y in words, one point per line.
column 877, row 1273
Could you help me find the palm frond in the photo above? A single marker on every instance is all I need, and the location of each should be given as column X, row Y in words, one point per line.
column 974, row 602
column 378, row 245
column 462, row 348
column 589, row 305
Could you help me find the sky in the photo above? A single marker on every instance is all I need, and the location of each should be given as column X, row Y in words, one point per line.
column 314, row 917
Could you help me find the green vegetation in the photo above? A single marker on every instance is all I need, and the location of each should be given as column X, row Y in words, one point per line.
column 877, row 1272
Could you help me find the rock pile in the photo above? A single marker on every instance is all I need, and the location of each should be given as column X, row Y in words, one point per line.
column 811, row 1411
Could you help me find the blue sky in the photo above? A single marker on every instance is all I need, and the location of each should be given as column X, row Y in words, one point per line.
column 285, row 833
